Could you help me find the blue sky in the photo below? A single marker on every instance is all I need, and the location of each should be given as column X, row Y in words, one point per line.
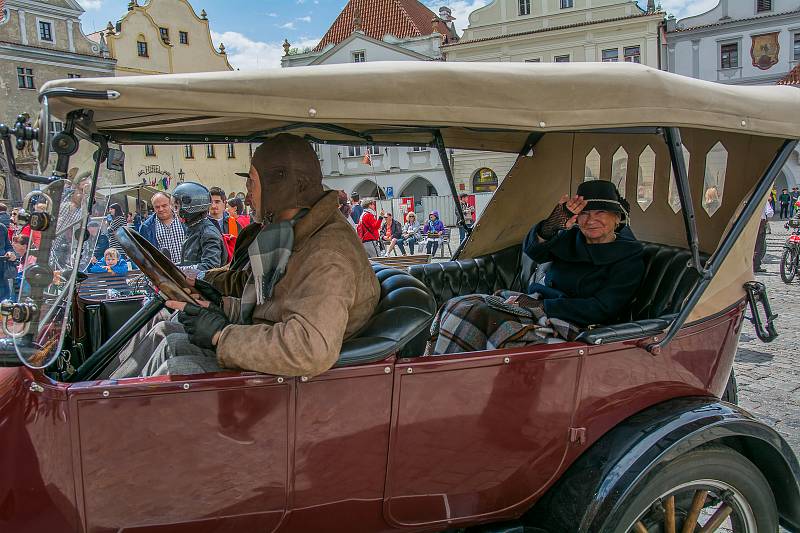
column 253, row 30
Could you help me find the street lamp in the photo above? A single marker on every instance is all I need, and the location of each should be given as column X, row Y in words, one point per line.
column 181, row 174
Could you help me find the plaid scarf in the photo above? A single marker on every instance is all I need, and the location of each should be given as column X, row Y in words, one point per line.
column 269, row 254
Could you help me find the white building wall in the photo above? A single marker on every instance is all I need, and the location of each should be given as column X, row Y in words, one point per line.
column 695, row 50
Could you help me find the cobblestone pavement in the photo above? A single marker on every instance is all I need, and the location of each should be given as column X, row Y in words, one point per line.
column 769, row 374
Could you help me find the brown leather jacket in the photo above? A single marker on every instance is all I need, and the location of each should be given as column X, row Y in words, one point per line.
column 328, row 293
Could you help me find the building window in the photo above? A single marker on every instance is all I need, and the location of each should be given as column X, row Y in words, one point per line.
column 763, row 5
column 534, row 60
column 183, row 36
column 419, row 148
column 611, row 55
column 71, row 75
column 633, row 54
column 45, row 31
column 561, row 59
column 566, row 4
column 188, row 151
column 524, row 7
column 25, row 78
column 359, row 56
column 150, row 150
column 231, row 151
column 164, row 32
column 210, row 151
column 797, row 46
column 729, row 55
column 141, row 48
column 353, row 151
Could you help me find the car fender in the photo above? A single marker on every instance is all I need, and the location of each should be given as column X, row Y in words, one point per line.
column 595, row 487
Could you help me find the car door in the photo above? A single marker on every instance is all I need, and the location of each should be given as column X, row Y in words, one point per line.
column 479, row 434
column 209, row 452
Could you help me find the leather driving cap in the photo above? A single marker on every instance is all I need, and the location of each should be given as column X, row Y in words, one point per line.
column 289, row 172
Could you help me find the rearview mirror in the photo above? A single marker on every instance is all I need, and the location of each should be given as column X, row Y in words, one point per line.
column 116, row 160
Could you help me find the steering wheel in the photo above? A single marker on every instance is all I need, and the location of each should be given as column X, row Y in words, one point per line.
column 168, row 278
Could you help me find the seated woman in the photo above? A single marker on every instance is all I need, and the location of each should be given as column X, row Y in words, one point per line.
column 410, row 234
column 110, row 264
column 434, row 230
column 596, row 267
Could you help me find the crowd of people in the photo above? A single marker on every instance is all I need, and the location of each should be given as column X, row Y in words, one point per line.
column 194, row 227
column 382, row 234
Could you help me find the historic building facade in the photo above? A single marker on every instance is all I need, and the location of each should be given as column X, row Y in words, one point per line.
column 558, row 31
column 398, row 30
column 41, row 40
column 742, row 43
column 168, row 37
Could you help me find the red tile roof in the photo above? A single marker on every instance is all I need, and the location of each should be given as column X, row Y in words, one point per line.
column 793, row 78
column 401, row 18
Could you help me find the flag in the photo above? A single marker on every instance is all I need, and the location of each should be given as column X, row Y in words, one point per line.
column 367, row 159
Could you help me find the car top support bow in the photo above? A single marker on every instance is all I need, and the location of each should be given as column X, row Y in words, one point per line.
column 751, row 207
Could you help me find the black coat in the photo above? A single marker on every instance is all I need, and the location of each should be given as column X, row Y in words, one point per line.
column 397, row 229
column 588, row 283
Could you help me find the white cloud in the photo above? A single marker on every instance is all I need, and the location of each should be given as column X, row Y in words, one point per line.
column 91, row 4
column 272, row 14
column 686, row 8
column 247, row 54
column 304, row 19
column 460, row 9
column 287, row 26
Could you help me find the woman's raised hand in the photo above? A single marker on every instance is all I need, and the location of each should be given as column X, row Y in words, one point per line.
column 574, row 205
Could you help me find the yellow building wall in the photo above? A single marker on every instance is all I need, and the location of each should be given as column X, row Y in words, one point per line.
column 198, row 55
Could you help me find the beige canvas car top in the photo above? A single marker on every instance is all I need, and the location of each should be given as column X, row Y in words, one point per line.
column 459, row 97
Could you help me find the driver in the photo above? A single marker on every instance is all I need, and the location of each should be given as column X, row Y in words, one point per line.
column 309, row 285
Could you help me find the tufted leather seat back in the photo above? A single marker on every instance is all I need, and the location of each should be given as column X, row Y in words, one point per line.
column 481, row 275
column 404, row 314
column 667, row 281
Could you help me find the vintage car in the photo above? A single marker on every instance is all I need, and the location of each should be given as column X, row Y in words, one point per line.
column 622, row 430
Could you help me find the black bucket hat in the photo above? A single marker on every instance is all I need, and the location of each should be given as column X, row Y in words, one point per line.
column 603, row 195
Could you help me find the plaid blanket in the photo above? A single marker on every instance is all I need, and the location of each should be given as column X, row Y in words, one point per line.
column 485, row 322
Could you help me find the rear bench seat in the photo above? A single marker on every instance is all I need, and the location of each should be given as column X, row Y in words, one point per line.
column 667, row 281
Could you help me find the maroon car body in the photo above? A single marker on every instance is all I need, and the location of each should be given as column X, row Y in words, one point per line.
column 395, row 445
column 603, row 434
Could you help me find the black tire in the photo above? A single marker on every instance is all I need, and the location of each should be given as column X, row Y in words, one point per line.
column 731, row 394
column 788, row 265
column 718, row 463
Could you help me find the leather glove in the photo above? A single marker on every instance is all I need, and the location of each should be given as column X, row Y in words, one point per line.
column 557, row 221
column 202, row 324
column 208, row 291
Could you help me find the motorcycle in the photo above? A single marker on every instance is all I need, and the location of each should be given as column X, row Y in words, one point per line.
column 790, row 260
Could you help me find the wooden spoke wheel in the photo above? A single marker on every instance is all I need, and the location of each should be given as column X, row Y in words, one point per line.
column 709, row 489
column 704, row 506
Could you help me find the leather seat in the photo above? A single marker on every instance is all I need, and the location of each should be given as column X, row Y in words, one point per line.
column 481, row 275
column 667, row 282
column 400, row 322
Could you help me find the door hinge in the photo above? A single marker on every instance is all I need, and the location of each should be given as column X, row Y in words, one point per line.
column 577, row 435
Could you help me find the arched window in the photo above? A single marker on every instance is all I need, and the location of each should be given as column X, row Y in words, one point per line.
column 484, row 180
column 141, row 46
